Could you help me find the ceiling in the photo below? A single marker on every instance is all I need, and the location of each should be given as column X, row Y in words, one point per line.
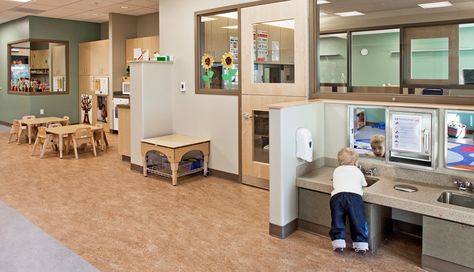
column 81, row 10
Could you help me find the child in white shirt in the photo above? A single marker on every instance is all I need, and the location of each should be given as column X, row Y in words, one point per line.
column 346, row 201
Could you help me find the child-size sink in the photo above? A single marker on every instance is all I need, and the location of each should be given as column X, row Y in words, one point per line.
column 453, row 198
column 371, row 180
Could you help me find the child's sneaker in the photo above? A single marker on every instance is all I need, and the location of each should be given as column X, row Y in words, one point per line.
column 360, row 251
column 339, row 249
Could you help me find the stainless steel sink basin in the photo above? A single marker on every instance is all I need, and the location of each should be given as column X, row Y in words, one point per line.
column 371, row 180
column 457, row 199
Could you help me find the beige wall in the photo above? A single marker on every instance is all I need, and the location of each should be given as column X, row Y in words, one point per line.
column 211, row 116
column 148, row 25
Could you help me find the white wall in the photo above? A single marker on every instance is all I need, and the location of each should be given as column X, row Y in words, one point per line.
column 283, row 162
column 209, row 116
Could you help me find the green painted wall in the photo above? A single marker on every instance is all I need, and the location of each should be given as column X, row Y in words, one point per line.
column 466, row 55
column 75, row 32
column 333, row 60
column 374, row 115
column 11, row 106
column 380, row 66
column 14, row 106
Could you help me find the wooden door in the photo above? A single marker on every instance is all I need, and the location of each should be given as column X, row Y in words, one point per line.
column 256, row 97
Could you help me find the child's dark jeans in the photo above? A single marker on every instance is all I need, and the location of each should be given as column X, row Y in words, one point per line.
column 352, row 206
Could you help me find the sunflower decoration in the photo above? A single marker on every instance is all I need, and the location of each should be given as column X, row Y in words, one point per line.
column 206, row 62
column 228, row 62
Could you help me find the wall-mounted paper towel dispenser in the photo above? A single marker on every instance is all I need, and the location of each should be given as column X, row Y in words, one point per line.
column 304, row 144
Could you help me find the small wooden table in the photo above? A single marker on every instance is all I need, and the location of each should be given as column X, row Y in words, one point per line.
column 67, row 130
column 174, row 147
column 39, row 121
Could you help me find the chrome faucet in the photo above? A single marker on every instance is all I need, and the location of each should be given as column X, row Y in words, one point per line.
column 464, row 185
column 368, row 171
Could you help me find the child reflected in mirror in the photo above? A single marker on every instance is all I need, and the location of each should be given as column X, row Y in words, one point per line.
column 377, row 143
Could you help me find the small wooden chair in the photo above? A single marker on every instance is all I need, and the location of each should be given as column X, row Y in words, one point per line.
column 83, row 136
column 28, row 117
column 16, row 129
column 99, row 135
column 43, row 139
column 66, row 121
column 65, row 137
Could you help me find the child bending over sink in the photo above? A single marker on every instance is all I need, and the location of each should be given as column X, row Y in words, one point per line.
column 346, row 201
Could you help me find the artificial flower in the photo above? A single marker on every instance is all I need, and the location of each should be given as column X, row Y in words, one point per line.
column 207, row 61
column 227, row 60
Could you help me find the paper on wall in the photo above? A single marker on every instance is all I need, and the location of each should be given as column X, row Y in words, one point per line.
column 406, row 133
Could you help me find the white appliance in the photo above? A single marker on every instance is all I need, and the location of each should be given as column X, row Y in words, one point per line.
column 125, row 87
column 116, row 102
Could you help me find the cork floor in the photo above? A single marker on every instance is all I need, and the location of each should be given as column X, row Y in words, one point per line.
column 117, row 220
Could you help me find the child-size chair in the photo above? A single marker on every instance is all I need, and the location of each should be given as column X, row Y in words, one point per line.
column 16, row 129
column 83, row 135
column 43, row 139
column 66, row 121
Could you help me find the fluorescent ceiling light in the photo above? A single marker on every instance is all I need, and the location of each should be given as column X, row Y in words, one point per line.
column 336, row 35
column 230, row 15
column 15, row 50
column 206, row 19
column 124, row 7
column 284, row 24
column 349, row 13
column 322, row 13
column 22, row 1
column 435, row 5
column 320, row 2
column 371, row 32
column 230, row 27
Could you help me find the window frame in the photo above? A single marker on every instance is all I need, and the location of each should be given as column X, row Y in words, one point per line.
column 314, row 53
column 198, row 47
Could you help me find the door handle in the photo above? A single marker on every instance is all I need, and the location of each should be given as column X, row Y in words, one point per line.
column 247, row 115
column 425, row 141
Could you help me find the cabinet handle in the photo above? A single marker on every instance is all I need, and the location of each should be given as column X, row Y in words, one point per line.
column 247, row 115
column 425, row 140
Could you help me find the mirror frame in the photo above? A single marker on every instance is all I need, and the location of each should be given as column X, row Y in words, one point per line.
column 446, row 138
column 9, row 46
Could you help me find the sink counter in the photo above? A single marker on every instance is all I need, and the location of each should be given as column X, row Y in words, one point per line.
column 424, row 201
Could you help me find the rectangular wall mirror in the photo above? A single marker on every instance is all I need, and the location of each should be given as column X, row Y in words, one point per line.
column 367, row 130
column 274, row 52
column 459, row 140
column 38, row 67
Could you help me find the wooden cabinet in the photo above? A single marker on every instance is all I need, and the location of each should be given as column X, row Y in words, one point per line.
column 124, row 133
column 39, row 59
column 152, row 43
column 85, row 59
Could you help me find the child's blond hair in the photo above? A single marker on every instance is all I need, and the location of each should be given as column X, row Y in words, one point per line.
column 347, row 156
column 377, row 140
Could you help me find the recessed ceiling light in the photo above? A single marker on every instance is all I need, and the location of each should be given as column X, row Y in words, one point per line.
column 22, row 1
column 124, row 7
column 230, row 27
column 290, row 24
column 320, row 2
column 206, row 19
column 435, row 5
column 349, row 13
column 230, row 15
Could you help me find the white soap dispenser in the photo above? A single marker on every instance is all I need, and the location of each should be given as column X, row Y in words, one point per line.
column 304, row 144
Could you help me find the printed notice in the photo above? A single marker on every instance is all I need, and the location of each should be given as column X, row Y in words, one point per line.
column 406, row 133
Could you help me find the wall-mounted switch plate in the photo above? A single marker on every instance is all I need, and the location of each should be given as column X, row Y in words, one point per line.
column 182, row 87
column 41, row 111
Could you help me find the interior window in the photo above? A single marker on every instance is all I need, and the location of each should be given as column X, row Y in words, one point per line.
column 375, row 58
column 466, row 54
column 333, row 61
column 218, row 57
column 430, row 58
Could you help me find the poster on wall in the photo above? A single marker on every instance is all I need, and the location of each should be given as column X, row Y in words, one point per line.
column 406, row 133
column 58, row 84
column 262, row 45
column 86, row 107
column 102, row 109
column 275, row 51
column 234, row 47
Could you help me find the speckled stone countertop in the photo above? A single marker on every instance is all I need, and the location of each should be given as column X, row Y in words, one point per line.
column 424, row 201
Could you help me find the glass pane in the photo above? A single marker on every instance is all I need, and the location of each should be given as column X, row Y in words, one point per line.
column 273, row 52
column 219, row 51
column 368, row 131
column 460, row 140
column 466, row 54
column 430, row 58
column 375, row 58
column 261, row 139
column 333, row 58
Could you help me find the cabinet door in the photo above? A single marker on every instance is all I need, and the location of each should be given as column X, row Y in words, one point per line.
column 99, row 57
column 84, row 59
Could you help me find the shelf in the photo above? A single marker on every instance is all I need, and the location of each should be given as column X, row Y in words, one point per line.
column 330, row 55
column 273, row 63
column 157, row 170
column 432, row 50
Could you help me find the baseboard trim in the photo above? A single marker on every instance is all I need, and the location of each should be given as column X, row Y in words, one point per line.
column 256, row 182
column 126, row 158
column 285, row 231
column 224, row 175
column 438, row 265
column 136, row 167
column 313, row 228
column 5, row 123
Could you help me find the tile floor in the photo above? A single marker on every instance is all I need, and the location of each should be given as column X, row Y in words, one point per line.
column 120, row 221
